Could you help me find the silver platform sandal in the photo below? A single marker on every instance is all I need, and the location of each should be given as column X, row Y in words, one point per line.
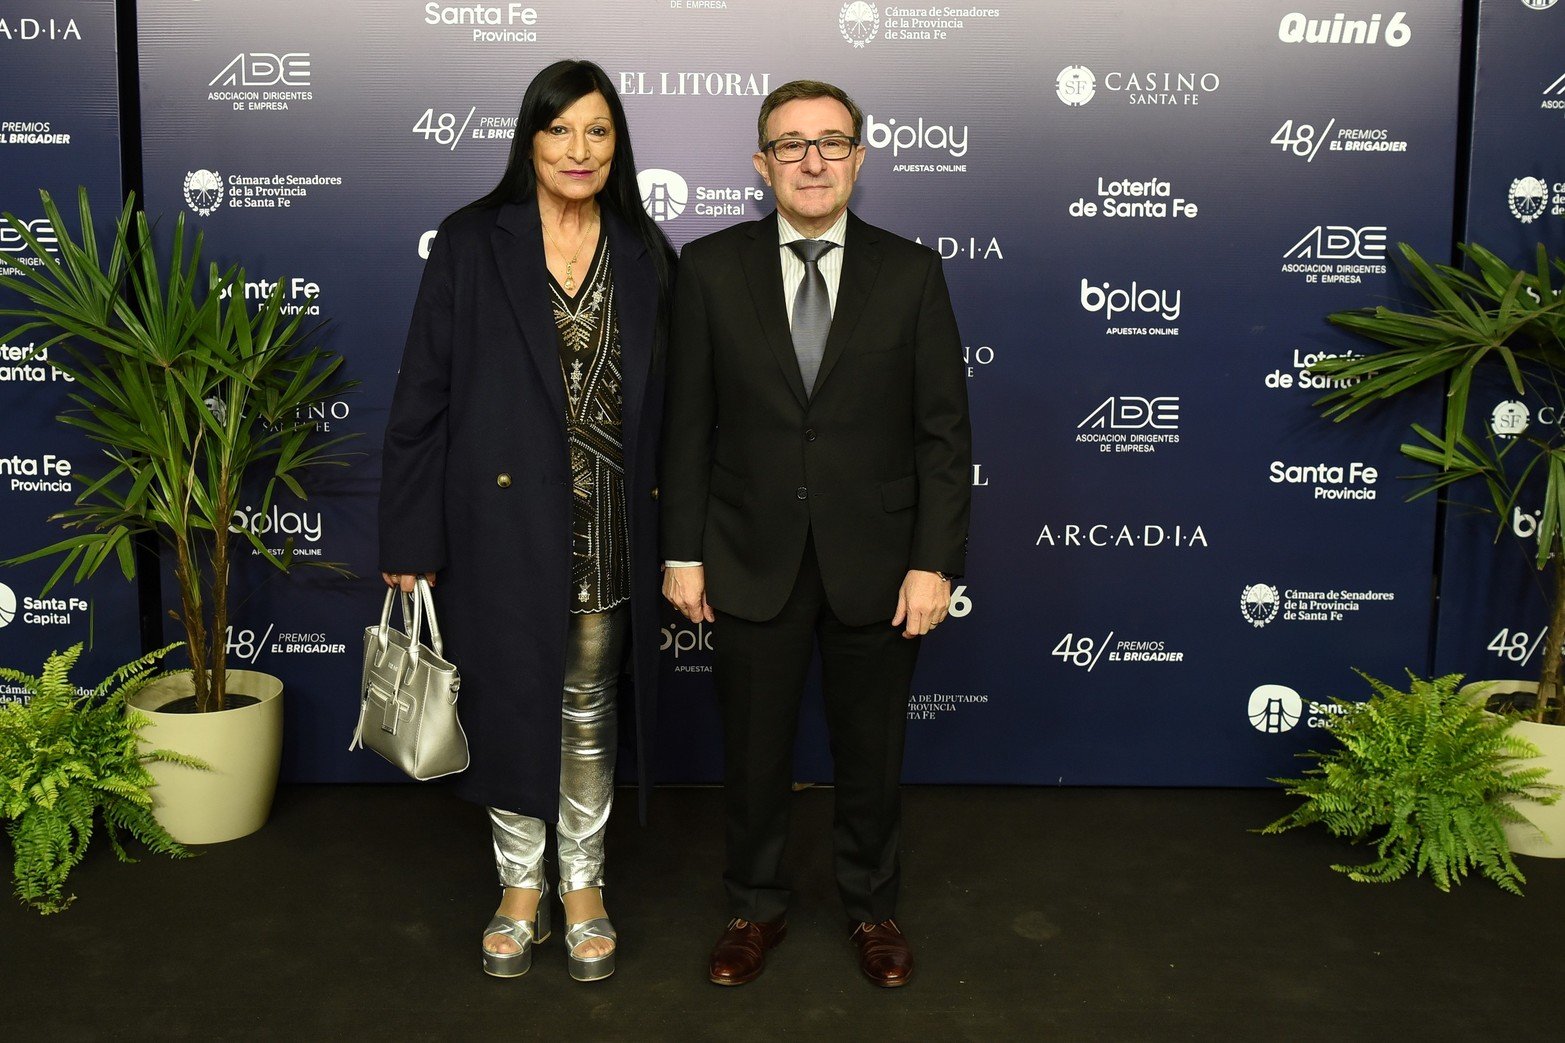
column 525, row 933
column 590, row 968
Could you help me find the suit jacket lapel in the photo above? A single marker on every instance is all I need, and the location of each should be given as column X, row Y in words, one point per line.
column 518, row 247
column 860, row 264
column 763, row 274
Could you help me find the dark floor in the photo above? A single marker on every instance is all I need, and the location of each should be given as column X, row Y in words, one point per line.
column 1066, row 914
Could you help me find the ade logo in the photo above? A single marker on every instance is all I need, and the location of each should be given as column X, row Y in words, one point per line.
column 260, row 69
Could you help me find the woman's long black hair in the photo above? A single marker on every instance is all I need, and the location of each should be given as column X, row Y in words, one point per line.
column 552, row 91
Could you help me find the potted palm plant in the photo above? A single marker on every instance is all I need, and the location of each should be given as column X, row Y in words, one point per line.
column 1509, row 322
column 197, row 398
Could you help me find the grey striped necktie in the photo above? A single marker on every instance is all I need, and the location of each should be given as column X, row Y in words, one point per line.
column 811, row 309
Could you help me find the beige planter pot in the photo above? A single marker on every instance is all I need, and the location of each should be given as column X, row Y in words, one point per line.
column 244, row 747
column 1545, row 837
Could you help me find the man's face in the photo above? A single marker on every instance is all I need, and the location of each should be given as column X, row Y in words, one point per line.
column 812, row 192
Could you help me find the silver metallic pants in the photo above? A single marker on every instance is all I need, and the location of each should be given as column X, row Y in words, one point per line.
column 594, row 650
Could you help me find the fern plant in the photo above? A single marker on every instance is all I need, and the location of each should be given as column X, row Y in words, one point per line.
column 67, row 756
column 1437, row 772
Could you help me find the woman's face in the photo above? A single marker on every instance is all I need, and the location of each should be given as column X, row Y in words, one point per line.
column 571, row 156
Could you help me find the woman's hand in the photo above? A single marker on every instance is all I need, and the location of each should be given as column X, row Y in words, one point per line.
column 404, row 581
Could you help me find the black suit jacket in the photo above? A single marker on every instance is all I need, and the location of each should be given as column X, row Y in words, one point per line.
column 876, row 463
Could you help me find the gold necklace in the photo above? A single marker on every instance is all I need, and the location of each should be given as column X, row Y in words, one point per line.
column 570, row 265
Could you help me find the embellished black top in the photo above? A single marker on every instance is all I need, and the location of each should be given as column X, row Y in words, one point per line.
column 588, row 325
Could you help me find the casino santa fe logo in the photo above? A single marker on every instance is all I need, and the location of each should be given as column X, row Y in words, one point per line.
column 859, row 22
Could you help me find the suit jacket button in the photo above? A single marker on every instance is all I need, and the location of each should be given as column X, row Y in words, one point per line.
column 809, row 434
column 503, row 480
column 654, row 492
column 802, row 493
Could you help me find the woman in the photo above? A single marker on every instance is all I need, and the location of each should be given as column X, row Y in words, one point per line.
column 519, row 472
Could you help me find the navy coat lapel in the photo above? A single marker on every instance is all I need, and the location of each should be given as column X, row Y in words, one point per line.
column 636, row 297
column 762, row 263
column 860, row 265
column 518, row 248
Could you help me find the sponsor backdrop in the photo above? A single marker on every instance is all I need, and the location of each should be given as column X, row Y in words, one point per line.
column 59, row 128
column 1493, row 609
column 1144, row 217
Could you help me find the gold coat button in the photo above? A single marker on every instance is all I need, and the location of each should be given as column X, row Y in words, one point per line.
column 654, row 492
column 503, row 480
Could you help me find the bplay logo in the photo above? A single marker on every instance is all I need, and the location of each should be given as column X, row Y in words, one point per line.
column 1509, row 419
column 1528, row 198
column 1114, row 301
column 680, row 639
column 664, row 193
column 905, row 135
column 204, row 191
column 7, row 605
column 1258, row 603
column 859, row 22
column 1539, row 5
column 289, row 523
column 1295, row 27
column 1275, row 708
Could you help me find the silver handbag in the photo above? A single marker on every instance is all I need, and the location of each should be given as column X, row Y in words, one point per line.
column 407, row 712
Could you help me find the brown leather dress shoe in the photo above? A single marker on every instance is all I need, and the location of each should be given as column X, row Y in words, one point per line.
column 884, row 954
column 740, row 954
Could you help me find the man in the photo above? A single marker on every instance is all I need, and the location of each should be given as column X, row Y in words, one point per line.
column 815, row 488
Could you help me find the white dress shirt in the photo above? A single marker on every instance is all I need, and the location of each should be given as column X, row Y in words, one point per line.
column 830, row 264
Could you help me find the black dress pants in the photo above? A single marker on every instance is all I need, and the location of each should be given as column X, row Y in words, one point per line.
column 866, row 675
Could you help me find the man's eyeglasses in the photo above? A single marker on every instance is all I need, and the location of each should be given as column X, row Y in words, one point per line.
column 792, row 150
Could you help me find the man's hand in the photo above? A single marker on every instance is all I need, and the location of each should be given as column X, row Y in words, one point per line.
column 404, row 581
column 685, row 588
column 922, row 603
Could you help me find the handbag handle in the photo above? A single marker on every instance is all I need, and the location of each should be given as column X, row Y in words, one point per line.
column 423, row 609
column 428, row 597
column 381, row 635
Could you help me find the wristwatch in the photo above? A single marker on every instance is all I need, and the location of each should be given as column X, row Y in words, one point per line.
column 944, row 578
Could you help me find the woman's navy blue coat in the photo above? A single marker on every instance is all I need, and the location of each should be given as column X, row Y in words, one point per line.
column 476, row 488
